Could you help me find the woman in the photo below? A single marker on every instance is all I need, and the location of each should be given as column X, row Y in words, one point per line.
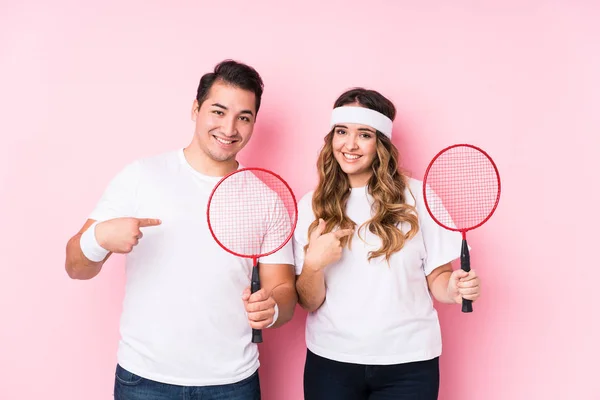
column 369, row 259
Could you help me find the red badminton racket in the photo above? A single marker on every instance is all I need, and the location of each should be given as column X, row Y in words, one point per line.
column 461, row 189
column 252, row 213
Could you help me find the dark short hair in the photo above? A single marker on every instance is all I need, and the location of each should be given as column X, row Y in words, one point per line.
column 233, row 73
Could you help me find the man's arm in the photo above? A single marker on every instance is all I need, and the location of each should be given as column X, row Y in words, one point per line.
column 117, row 235
column 279, row 281
column 277, row 290
column 77, row 265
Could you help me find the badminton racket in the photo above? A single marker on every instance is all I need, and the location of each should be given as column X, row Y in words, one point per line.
column 252, row 213
column 461, row 189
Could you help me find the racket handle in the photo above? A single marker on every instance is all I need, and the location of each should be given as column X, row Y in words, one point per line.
column 465, row 265
column 255, row 287
column 256, row 336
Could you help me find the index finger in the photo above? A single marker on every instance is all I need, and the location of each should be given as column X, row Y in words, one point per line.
column 148, row 222
column 342, row 232
column 470, row 276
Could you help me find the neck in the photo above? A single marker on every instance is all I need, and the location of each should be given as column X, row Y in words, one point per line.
column 359, row 180
column 202, row 163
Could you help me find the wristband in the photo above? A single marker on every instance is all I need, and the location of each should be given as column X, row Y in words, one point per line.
column 90, row 247
column 274, row 316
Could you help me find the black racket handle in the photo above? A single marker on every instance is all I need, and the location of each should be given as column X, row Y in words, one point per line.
column 255, row 287
column 465, row 265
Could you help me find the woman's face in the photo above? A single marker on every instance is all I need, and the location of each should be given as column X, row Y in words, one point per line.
column 355, row 148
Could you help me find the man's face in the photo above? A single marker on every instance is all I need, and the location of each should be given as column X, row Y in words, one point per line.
column 224, row 121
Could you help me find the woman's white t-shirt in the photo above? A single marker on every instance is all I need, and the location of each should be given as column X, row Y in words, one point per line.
column 375, row 313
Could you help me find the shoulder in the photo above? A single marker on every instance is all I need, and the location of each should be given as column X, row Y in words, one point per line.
column 251, row 181
column 305, row 204
column 151, row 166
column 163, row 160
column 414, row 191
column 414, row 183
column 305, row 216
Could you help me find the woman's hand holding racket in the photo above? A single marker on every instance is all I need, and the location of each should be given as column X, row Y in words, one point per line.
column 463, row 285
column 324, row 249
column 461, row 190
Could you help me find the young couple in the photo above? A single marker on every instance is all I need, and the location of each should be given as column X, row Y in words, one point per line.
column 365, row 261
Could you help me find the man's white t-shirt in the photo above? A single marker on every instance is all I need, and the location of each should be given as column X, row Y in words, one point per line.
column 183, row 319
column 375, row 313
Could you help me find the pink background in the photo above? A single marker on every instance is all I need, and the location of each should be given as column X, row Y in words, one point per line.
column 85, row 89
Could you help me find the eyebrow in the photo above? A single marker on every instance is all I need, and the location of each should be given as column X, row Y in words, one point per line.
column 225, row 108
column 371, row 130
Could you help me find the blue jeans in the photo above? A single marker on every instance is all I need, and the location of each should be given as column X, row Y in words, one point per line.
column 129, row 386
column 326, row 379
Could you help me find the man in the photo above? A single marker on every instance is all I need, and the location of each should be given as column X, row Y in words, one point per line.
column 187, row 312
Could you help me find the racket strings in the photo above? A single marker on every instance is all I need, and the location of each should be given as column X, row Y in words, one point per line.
column 252, row 213
column 462, row 187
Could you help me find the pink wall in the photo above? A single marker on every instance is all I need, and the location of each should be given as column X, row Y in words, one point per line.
column 84, row 90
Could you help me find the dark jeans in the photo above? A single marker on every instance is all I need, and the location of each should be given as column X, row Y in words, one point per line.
column 326, row 379
column 129, row 386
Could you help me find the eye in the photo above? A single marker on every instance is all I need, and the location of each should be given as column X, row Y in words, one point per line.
column 244, row 118
column 340, row 131
column 218, row 112
column 366, row 135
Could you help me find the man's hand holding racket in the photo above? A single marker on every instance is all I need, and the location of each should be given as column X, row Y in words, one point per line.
column 463, row 285
column 324, row 249
column 260, row 307
column 120, row 235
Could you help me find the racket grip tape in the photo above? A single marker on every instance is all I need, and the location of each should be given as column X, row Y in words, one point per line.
column 465, row 265
column 255, row 287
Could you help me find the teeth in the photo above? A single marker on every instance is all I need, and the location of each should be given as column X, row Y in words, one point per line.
column 224, row 141
column 351, row 156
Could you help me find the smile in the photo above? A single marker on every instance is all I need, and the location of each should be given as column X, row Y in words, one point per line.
column 351, row 157
column 224, row 141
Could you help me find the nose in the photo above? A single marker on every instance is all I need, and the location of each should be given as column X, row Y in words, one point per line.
column 351, row 143
column 229, row 127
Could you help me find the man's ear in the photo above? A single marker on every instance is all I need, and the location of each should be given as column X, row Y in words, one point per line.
column 195, row 110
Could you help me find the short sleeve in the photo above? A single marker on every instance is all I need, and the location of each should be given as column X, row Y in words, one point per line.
column 119, row 197
column 284, row 255
column 277, row 232
column 305, row 218
column 441, row 245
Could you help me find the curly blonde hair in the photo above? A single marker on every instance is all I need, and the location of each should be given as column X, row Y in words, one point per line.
column 387, row 186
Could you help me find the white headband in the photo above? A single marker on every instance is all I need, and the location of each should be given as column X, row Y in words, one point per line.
column 364, row 116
